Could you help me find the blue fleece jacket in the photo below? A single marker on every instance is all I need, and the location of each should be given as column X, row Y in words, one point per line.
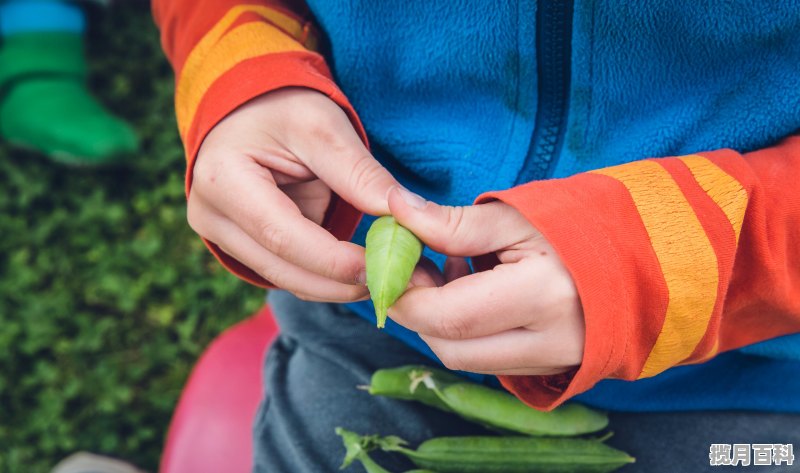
column 463, row 97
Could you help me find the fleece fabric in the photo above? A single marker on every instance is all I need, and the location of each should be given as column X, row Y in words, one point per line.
column 555, row 107
column 455, row 114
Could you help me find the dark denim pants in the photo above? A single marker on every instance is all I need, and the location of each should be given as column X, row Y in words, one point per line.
column 324, row 352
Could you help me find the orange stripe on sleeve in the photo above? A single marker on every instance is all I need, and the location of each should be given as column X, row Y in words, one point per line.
column 289, row 25
column 245, row 42
column 685, row 254
column 184, row 23
column 222, row 48
column 726, row 191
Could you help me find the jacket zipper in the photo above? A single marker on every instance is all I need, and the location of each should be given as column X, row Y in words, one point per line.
column 553, row 56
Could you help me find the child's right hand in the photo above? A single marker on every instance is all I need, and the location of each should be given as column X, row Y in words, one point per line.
column 263, row 180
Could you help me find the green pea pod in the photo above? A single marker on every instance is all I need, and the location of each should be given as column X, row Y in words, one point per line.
column 392, row 253
column 514, row 455
column 405, row 382
column 499, row 409
column 486, row 406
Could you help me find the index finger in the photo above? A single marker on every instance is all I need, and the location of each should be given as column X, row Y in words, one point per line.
column 255, row 203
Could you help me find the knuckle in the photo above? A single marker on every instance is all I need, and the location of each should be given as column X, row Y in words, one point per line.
column 453, row 225
column 274, row 237
column 452, row 327
column 364, row 172
column 563, row 300
column 333, row 267
column 340, row 266
column 203, row 172
column 271, row 274
column 322, row 126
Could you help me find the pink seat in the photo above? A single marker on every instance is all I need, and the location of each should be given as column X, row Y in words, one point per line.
column 211, row 429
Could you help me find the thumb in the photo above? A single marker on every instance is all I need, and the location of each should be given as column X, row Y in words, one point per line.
column 459, row 231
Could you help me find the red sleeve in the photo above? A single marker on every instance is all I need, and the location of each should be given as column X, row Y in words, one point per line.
column 226, row 52
column 675, row 260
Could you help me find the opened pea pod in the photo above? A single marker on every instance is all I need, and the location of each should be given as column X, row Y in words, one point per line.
column 481, row 404
column 392, row 253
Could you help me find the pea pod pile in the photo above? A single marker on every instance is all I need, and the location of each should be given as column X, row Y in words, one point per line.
column 545, row 448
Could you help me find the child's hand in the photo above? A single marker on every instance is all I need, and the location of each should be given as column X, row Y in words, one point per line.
column 263, row 180
column 523, row 317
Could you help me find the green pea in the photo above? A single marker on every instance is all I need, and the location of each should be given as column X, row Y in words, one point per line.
column 481, row 404
column 392, row 253
column 513, row 455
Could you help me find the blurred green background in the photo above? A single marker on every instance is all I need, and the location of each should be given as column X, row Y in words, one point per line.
column 106, row 296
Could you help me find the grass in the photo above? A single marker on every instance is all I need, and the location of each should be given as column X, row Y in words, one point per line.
column 106, row 296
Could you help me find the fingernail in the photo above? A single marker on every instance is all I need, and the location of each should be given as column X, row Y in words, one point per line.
column 411, row 198
column 361, row 278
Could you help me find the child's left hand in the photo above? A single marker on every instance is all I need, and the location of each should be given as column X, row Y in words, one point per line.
column 523, row 317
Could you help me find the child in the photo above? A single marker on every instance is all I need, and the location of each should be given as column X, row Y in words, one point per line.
column 617, row 268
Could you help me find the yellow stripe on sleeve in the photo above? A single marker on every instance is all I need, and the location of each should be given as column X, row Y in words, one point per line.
column 686, row 257
column 723, row 189
column 220, row 50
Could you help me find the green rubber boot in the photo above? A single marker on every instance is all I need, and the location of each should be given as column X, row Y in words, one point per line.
column 44, row 103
